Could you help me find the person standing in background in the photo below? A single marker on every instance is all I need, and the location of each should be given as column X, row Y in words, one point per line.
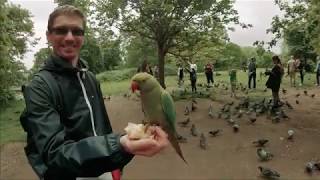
column 208, row 69
column 299, row 67
column 233, row 81
column 274, row 80
column 180, row 75
column 252, row 68
column 291, row 71
column 317, row 70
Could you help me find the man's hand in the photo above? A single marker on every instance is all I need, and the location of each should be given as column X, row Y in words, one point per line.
column 146, row 146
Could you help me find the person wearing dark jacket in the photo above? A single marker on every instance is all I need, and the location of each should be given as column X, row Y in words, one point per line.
column 74, row 138
column 252, row 68
column 193, row 79
column 274, row 80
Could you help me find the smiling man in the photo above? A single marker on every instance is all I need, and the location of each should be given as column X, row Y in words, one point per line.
column 68, row 129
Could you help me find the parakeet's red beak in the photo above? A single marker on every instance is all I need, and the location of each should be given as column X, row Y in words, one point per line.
column 134, row 86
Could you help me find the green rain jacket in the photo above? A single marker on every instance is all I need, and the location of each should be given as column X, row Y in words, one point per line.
column 78, row 142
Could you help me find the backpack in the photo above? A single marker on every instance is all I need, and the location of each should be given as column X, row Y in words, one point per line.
column 34, row 157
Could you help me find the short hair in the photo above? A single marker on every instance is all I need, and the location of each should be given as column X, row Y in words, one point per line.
column 277, row 59
column 65, row 10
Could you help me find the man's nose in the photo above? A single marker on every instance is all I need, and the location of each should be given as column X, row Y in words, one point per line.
column 69, row 36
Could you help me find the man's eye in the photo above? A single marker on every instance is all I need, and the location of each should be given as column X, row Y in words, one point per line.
column 61, row 31
column 77, row 32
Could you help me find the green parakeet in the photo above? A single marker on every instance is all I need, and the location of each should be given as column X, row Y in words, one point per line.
column 158, row 106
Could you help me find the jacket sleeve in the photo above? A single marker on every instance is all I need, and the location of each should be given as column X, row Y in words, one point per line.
column 90, row 156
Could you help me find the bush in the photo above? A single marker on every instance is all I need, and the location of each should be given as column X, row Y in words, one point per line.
column 116, row 75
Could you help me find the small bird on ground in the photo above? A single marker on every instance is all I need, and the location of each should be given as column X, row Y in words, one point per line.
column 289, row 105
column 283, row 114
column 305, row 92
column 313, row 95
column 181, row 139
column 193, row 130
column 185, row 123
column 297, row 102
column 260, row 142
column 297, row 95
column 186, row 110
column 290, row 134
column 268, row 173
column 236, row 128
column 284, row 91
column 215, row 132
column 210, row 111
column 310, row 167
column 275, row 119
column 231, row 121
column 203, row 141
column 193, row 106
column 253, row 118
column 264, row 155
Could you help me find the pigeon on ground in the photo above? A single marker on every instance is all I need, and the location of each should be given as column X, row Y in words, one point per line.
column 236, row 128
column 240, row 113
column 231, row 121
column 210, row 111
column 184, row 123
column 203, row 141
column 193, row 130
column 283, row 114
column 260, row 142
column 193, row 106
column 181, row 139
column 290, row 134
column 268, row 173
column 264, row 155
column 186, row 110
column 253, row 118
column 310, row 167
column 289, row 105
column 275, row 119
column 284, row 91
column 215, row 132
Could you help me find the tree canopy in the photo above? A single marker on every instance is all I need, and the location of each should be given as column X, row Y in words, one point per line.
column 16, row 28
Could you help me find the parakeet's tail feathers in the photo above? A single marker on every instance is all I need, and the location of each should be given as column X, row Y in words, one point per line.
column 175, row 144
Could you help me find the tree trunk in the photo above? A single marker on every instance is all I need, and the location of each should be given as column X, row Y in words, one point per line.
column 161, row 56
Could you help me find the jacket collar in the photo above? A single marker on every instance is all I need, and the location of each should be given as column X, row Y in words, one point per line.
column 60, row 65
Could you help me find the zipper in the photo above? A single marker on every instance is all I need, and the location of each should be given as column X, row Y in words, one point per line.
column 88, row 103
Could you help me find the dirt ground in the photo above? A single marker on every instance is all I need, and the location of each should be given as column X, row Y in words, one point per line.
column 228, row 156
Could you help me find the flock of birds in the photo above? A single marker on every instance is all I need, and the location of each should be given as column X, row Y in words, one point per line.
column 231, row 112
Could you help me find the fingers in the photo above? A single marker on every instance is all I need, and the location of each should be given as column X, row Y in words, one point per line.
column 147, row 146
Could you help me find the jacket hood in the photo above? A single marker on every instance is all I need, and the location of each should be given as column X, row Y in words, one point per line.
column 59, row 65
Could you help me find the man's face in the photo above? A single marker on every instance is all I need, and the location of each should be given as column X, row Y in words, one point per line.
column 66, row 36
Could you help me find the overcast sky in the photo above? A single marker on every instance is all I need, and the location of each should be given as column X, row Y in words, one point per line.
column 256, row 12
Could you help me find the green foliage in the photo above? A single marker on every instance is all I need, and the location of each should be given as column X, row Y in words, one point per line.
column 230, row 57
column 138, row 50
column 299, row 27
column 171, row 25
column 39, row 58
column 116, row 75
column 15, row 33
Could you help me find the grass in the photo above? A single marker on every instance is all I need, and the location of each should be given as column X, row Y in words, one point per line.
column 11, row 130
